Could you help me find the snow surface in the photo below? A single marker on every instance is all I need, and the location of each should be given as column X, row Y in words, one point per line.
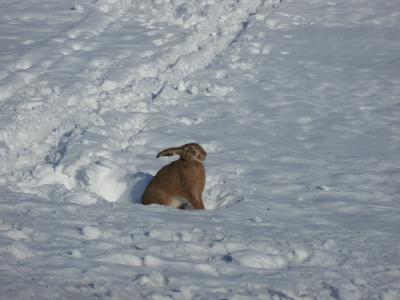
column 296, row 102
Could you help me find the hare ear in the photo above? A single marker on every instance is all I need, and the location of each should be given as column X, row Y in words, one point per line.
column 169, row 152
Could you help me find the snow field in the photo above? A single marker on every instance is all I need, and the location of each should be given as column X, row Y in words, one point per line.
column 211, row 254
column 295, row 103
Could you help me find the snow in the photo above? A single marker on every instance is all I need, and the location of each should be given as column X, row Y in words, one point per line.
column 296, row 103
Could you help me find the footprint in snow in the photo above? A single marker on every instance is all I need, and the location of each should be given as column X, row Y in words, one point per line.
column 18, row 250
column 122, row 259
column 257, row 260
column 23, row 64
column 91, row 232
column 153, row 279
column 165, row 235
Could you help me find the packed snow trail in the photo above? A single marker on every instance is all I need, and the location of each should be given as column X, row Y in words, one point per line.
column 298, row 113
column 158, row 45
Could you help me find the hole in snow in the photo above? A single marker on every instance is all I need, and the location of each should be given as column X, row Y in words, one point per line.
column 137, row 184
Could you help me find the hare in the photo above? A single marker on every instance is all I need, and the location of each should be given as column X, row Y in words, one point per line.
column 180, row 183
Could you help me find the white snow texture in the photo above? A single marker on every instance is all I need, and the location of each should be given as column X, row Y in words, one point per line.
column 296, row 102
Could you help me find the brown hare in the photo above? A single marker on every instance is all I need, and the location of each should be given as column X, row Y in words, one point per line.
column 180, row 183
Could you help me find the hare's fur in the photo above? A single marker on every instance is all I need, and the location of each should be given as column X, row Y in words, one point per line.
column 179, row 184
